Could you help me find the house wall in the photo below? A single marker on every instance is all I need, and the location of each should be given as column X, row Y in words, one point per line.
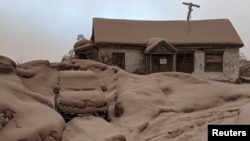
column 230, row 65
column 135, row 60
column 134, row 57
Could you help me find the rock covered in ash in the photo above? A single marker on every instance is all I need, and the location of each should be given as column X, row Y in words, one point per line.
column 29, row 69
column 6, row 65
column 119, row 109
column 5, row 117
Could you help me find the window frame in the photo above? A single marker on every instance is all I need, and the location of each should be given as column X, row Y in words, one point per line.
column 209, row 65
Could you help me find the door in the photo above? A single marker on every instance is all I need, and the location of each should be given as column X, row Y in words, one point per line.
column 162, row 63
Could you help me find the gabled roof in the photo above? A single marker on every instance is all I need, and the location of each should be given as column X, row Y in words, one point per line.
column 178, row 33
column 154, row 42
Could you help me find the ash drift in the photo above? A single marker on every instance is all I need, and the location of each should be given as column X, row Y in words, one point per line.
column 155, row 107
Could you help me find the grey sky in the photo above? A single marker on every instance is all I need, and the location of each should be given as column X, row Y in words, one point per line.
column 47, row 29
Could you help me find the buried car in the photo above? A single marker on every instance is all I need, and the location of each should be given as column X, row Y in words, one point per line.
column 80, row 94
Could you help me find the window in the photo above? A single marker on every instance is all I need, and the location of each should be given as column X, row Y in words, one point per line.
column 82, row 56
column 185, row 62
column 118, row 59
column 214, row 62
column 91, row 56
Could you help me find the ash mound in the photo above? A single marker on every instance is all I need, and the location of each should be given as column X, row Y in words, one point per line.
column 155, row 107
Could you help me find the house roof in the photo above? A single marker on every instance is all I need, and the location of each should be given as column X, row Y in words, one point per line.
column 154, row 42
column 177, row 33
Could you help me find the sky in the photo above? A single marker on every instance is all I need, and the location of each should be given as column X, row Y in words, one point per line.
column 48, row 29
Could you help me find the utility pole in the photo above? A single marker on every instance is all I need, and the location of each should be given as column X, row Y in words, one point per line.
column 190, row 9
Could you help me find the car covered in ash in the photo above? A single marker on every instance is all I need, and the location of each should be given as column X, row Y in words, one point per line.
column 80, row 93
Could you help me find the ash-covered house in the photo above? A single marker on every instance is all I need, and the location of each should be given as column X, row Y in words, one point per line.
column 207, row 48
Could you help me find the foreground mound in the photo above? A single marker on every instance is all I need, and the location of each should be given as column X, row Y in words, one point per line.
column 91, row 129
column 155, row 107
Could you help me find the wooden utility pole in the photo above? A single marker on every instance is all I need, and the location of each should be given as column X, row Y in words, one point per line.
column 190, row 9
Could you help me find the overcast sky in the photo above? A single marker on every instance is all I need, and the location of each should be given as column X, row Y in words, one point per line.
column 47, row 29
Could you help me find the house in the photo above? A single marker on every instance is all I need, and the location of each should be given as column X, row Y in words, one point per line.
column 207, row 48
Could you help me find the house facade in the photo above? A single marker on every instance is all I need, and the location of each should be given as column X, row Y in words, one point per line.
column 207, row 48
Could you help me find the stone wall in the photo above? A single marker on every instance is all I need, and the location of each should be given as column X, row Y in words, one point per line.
column 135, row 62
column 230, row 65
column 134, row 57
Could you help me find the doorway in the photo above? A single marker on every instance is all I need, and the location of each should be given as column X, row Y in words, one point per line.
column 162, row 63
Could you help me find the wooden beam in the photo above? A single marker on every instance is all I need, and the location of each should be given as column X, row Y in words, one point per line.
column 190, row 9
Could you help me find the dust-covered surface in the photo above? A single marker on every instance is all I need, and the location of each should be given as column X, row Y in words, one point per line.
column 155, row 107
column 153, row 42
column 178, row 33
column 93, row 128
column 80, row 92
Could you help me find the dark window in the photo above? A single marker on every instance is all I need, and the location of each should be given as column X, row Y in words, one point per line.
column 118, row 59
column 214, row 62
column 91, row 56
column 185, row 62
column 82, row 56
